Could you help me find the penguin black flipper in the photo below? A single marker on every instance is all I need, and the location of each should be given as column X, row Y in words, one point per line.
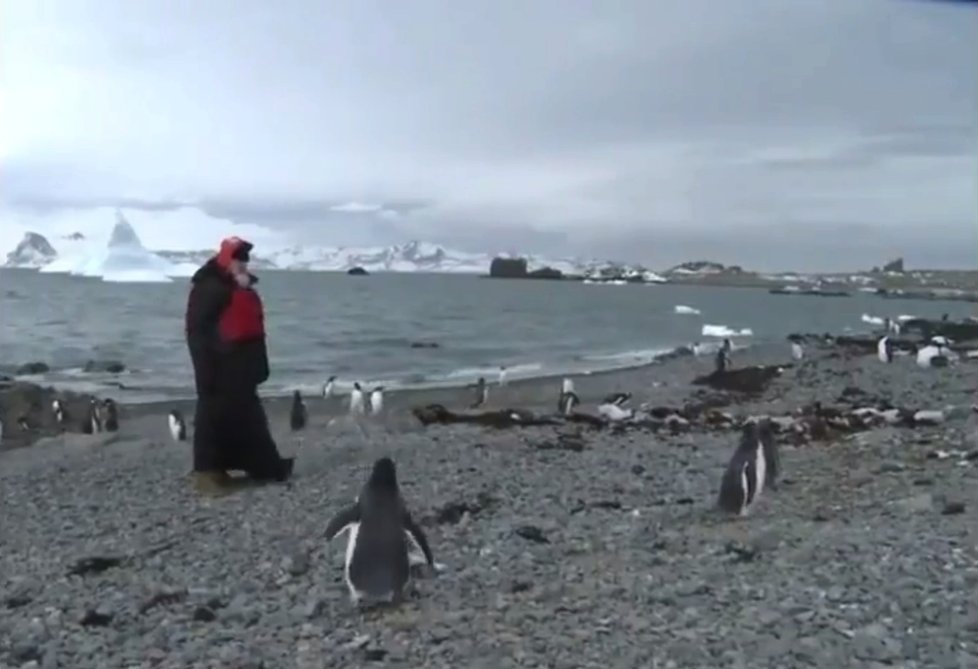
column 418, row 535
column 750, row 472
column 342, row 520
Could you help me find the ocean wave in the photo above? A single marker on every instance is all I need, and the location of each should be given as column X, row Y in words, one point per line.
column 683, row 309
column 725, row 331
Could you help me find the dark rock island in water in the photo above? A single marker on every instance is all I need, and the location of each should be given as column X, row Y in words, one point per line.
column 516, row 268
column 357, row 271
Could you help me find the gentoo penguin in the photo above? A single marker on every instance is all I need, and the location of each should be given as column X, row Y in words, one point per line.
column 298, row 414
column 618, row 399
column 60, row 413
column 356, row 399
column 932, row 355
column 722, row 360
column 744, row 478
column 178, row 427
column 93, row 420
column 111, row 422
column 502, row 375
column 568, row 401
column 612, row 408
column 884, row 350
column 797, row 351
column 380, row 525
column 481, row 393
column 329, row 386
column 376, row 400
column 567, row 398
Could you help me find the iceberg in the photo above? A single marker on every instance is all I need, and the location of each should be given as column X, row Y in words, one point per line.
column 123, row 260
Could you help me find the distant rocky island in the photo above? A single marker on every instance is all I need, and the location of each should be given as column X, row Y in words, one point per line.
column 891, row 279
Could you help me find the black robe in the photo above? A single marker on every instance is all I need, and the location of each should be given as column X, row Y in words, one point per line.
column 231, row 429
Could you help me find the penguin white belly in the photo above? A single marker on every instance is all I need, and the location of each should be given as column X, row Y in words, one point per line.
column 174, row 429
column 745, row 487
column 881, row 350
column 760, row 468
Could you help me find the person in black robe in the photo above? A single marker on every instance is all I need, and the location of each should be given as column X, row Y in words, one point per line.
column 226, row 338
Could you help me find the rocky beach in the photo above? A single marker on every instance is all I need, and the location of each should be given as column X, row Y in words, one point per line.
column 564, row 545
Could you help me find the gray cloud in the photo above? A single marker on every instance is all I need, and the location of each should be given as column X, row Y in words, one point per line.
column 653, row 130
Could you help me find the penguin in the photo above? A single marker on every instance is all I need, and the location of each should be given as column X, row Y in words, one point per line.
column 93, row 419
column 481, row 393
column 377, row 400
column 618, row 399
column 502, row 375
column 178, row 427
column 884, row 350
column 111, row 421
column 298, row 414
column 568, row 401
column 23, row 423
column 933, row 355
column 61, row 415
column 329, row 387
column 614, row 412
column 356, row 399
column 797, row 351
column 722, row 360
column 744, row 477
column 727, row 346
column 380, row 525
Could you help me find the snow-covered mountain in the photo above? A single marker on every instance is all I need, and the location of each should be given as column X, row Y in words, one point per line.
column 34, row 250
column 122, row 259
column 76, row 256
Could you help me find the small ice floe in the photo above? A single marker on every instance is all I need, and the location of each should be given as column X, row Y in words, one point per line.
column 724, row 331
column 683, row 309
column 873, row 320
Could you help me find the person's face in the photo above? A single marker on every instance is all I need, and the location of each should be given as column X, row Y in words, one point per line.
column 238, row 266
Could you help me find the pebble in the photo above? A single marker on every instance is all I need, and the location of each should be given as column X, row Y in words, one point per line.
column 842, row 562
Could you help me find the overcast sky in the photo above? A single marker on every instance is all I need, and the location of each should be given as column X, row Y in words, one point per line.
column 771, row 133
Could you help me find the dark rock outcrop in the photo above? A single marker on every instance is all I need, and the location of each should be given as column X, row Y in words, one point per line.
column 30, row 404
column 742, row 380
column 357, row 271
column 104, row 367
column 546, row 273
column 508, row 268
column 894, row 266
column 33, row 367
column 955, row 331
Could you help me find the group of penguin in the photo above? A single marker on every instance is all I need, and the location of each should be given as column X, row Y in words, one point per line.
column 382, row 532
column 936, row 353
column 359, row 403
